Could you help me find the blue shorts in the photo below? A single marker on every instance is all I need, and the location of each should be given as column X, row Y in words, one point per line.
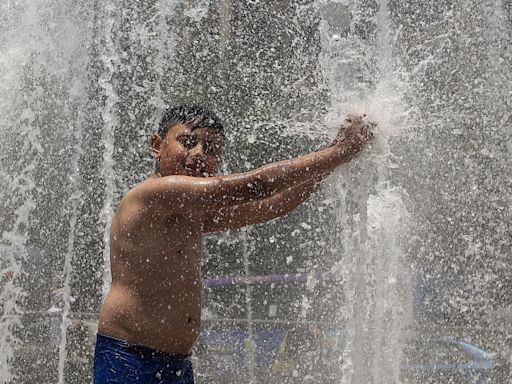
column 117, row 361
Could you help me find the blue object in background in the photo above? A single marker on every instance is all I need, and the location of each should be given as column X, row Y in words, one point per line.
column 445, row 360
column 275, row 352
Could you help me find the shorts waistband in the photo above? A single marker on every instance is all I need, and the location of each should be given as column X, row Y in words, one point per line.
column 105, row 341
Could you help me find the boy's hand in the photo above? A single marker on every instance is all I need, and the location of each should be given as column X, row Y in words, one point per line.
column 354, row 135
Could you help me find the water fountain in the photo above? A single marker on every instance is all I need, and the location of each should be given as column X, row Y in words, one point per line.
column 411, row 240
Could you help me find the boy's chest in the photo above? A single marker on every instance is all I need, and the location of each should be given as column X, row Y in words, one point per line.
column 156, row 233
column 182, row 228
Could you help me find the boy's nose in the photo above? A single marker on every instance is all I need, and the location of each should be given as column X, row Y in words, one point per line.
column 197, row 151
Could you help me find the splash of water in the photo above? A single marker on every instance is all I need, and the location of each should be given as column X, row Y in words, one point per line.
column 362, row 76
column 376, row 306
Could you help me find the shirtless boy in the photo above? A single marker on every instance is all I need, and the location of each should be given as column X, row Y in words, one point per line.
column 150, row 319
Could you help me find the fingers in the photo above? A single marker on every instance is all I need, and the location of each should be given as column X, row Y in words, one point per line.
column 356, row 132
column 354, row 119
column 368, row 129
column 368, row 135
column 365, row 134
column 359, row 119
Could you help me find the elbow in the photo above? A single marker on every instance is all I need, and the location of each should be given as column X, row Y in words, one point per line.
column 244, row 188
column 257, row 189
column 261, row 189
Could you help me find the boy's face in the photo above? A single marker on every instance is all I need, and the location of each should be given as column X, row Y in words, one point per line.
column 188, row 152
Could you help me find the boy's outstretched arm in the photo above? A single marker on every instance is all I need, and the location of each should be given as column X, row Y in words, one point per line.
column 261, row 211
column 284, row 202
column 183, row 194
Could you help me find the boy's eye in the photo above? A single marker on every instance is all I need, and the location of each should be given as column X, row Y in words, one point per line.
column 212, row 148
column 188, row 142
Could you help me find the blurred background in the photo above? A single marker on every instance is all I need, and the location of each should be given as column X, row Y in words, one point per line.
column 397, row 271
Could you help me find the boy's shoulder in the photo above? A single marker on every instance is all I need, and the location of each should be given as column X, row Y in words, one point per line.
column 134, row 199
column 150, row 193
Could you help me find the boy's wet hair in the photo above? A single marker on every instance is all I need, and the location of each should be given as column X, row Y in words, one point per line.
column 194, row 115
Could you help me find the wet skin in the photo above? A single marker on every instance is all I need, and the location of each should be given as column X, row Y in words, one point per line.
column 156, row 233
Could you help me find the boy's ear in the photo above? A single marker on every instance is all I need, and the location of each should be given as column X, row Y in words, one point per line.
column 156, row 145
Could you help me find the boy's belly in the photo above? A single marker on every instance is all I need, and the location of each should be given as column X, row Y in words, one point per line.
column 167, row 320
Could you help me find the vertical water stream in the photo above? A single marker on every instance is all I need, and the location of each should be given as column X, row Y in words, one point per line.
column 44, row 53
column 364, row 78
column 108, row 53
column 250, row 344
column 17, row 186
